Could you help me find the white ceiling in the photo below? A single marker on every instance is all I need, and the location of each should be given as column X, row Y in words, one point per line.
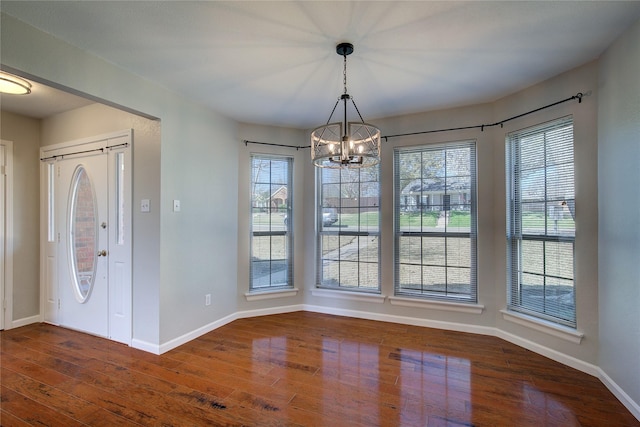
column 275, row 63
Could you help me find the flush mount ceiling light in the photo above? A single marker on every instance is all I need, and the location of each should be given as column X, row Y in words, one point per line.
column 13, row 85
column 345, row 144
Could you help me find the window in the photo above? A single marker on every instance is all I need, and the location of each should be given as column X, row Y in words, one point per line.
column 271, row 223
column 348, row 218
column 541, row 221
column 435, row 221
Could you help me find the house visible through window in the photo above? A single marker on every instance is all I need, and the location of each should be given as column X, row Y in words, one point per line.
column 541, row 221
column 271, row 222
column 435, row 221
column 348, row 218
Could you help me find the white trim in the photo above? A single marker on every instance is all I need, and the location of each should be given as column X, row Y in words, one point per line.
column 437, row 305
column 348, row 295
column 268, row 311
column 271, row 294
column 544, row 326
column 405, row 320
column 26, row 321
column 6, row 294
column 559, row 357
column 618, row 392
column 183, row 339
column 145, row 346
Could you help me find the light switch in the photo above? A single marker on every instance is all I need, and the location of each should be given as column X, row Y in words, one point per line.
column 176, row 205
column 145, row 205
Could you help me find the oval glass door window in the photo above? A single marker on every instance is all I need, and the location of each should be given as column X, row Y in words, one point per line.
column 83, row 236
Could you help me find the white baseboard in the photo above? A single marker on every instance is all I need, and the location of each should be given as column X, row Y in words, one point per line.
column 618, row 392
column 177, row 342
column 189, row 336
column 437, row 324
column 25, row 321
column 145, row 346
column 269, row 311
column 565, row 359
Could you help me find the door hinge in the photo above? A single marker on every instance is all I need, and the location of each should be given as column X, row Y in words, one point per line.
column 58, row 237
column 4, row 304
column 58, row 304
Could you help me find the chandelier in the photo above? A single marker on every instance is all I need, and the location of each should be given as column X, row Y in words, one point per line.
column 345, row 144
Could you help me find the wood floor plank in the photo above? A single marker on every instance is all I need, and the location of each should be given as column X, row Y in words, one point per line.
column 296, row 369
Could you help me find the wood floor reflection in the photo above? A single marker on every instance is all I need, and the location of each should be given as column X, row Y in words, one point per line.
column 296, row 369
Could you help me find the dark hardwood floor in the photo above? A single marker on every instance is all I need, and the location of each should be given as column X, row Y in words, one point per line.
column 300, row 368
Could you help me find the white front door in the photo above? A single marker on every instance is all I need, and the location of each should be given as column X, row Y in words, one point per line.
column 83, row 244
column 86, row 235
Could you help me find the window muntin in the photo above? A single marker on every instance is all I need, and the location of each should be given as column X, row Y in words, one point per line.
column 348, row 223
column 271, row 223
column 435, row 221
column 541, row 221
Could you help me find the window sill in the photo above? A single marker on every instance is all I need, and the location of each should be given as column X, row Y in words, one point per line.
column 437, row 305
column 544, row 326
column 354, row 296
column 278, row 293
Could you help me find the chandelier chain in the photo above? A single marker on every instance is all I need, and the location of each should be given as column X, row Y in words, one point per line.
column 344, row 75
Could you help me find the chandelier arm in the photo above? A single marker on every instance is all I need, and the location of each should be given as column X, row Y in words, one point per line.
column 333, row 111
column 358, row 111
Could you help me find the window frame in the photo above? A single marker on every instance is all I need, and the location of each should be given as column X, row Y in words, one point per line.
column 517, row 236
column 288, row 226
column 431, row 295
column 339, row 231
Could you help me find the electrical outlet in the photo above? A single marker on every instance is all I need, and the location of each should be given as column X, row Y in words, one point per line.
column 176, row 205
column 145, row 205
column 207, row 299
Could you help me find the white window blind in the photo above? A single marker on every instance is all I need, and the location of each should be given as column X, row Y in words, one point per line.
column 271, row 223
column 541, row 221
column 435, row 221
column 348, row 224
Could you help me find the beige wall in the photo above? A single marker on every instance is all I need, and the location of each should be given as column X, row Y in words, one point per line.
column 24, row 132
column 619, row 209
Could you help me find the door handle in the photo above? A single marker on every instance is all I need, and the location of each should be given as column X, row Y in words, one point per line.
column 102, row 253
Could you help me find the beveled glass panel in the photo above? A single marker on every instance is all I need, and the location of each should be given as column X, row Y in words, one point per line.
column 120, row 207
column 83, row 233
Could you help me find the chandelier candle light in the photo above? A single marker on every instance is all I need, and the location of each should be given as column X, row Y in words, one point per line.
column 345, row 144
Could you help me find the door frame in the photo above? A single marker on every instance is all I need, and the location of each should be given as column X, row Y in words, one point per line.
column 6, row 251
column 113, row 144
